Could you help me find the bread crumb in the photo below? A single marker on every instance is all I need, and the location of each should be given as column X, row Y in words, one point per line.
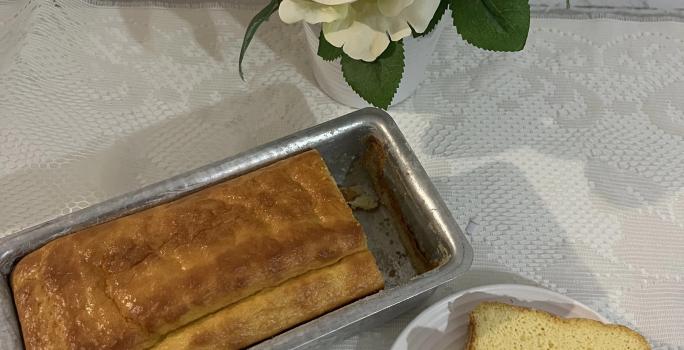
column 357, row 198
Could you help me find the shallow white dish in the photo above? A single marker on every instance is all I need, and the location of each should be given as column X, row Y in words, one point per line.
column 444, row 325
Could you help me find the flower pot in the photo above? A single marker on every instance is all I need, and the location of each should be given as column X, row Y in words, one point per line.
column 417, row 53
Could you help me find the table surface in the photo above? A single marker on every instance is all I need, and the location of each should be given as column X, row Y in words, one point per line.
column 564, row 163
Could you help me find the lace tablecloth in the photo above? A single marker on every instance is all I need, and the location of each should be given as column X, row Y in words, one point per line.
column 565, row 162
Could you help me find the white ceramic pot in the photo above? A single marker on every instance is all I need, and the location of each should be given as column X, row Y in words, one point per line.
column 417, row 53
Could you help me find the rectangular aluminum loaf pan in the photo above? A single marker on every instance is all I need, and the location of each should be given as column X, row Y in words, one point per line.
column 415, row 240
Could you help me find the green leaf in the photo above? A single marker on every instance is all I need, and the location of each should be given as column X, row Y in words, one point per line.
column 326, row 50
column 443, row 4
column 499, row 25
column 377, row 81
column 252, row 27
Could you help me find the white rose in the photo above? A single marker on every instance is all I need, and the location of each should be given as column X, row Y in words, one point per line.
column 362, row 28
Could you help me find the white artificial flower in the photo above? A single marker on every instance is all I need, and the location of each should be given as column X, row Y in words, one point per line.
column 362, row 28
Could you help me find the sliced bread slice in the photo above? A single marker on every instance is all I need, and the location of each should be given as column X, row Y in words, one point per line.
column 499, row 326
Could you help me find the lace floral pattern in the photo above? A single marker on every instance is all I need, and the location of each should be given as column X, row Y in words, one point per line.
column 565, row 162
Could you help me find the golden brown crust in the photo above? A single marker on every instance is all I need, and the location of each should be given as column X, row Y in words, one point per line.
column 277, row 309
column 62, row 305
column 123, row 284
column 472, row 332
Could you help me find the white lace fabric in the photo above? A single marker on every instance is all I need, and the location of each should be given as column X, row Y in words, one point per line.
column 565, row 161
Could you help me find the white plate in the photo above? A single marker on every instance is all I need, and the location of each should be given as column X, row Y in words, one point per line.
column 444, row 325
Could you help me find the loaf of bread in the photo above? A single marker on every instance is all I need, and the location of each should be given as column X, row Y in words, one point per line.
column 127, row 283
column 495, row 326
column 276, row 309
